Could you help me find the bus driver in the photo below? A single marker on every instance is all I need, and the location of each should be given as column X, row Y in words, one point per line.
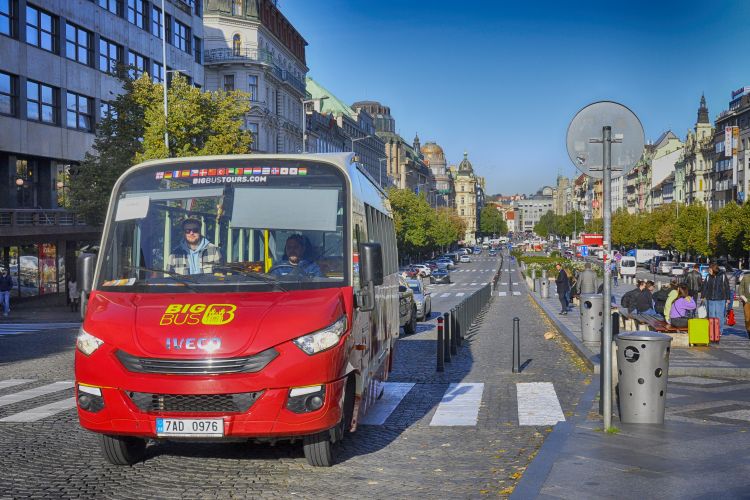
column 295, row 263
column 195, row 254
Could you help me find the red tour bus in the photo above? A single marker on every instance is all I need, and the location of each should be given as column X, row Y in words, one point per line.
column 247, row 296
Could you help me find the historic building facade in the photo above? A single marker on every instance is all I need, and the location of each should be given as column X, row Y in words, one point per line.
column 251, row 46
column 434, row 157
column 57, row 65
column 731, row 142
column 466, row 199
column 693, row 169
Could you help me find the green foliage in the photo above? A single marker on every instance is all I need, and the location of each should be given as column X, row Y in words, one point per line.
column 559, row 225
column 491, row 221
column 200, row 123
column 547, row 225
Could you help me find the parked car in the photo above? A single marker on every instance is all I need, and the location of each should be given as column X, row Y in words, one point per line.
column 665, row 267
column 407, row 307
column 409, row 272
column 492, row 252
column 440, row 276
column 445, row 263
column 424, row 269
column 678, row 270
column 465, row 258
column 653, row 266
column 421, row 298
column 477, row 250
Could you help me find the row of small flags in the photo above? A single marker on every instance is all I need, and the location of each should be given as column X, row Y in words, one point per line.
column 213, row 172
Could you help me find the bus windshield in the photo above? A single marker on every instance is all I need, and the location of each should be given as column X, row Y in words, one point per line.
column 222, row 225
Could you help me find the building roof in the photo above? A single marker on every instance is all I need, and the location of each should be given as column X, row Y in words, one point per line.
column 331, row 103
column 431, row 148
column 465, row 168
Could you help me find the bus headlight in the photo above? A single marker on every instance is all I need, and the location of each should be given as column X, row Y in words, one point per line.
column 324, row 339
column 87, row 343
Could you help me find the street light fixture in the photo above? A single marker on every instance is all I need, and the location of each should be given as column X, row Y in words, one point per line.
column 358, row 139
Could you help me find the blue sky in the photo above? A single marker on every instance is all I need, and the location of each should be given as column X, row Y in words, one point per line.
column 502, row 79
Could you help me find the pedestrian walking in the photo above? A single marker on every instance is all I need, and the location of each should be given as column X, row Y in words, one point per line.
column 743, row 291
column 715, row 292
column 587, row 280
column 563, row 287
column 6, row 285
column 74, row 294
column 613, row 268
column 694, row 282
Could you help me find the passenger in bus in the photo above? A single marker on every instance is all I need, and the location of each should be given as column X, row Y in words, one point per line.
column 195, row 254
column 294, row 262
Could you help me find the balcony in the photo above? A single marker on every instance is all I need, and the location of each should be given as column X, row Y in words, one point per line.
column 18, row 222
column 259, row 56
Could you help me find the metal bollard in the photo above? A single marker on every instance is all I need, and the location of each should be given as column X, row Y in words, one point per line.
column 446, row 336
column 516, row 345
column 454, row 331
column 440, row 346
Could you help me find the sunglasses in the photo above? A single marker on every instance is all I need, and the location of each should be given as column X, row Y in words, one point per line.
column 195, row 230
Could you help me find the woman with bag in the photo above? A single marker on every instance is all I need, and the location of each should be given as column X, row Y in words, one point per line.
column 683, row 308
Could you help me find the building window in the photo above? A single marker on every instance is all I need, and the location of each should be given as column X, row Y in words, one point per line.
column 114, row 6
column 41, row 102
column 236, row 44
column 252, row 87
column 253, row 129
column 8, row 17
column 228, row 82
column 79, row 112
column 41, row 29
column 157, row 72
column 135, row 12
column 197, row 50
column 137, row 65
column 78, row 44
column 168, row 28
column 156, row 22
column 181, row 37
column 107, row 110
column 8, row 94
column 236, row 7
column 110, row 55
column 462, row 211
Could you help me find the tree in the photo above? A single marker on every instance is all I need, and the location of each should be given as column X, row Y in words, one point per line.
column 690, row 231
column 414, row 220
column 491, row 221
column 547, row 225
column 448, row 229
column 200, row 123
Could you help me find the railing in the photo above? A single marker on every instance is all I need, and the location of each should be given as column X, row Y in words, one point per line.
column 255, row 55
column 39, row 217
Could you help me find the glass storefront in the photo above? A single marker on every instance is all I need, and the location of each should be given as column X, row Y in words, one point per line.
column 39, row 269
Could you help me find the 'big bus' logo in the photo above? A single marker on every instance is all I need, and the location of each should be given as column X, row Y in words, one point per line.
column 194, row 314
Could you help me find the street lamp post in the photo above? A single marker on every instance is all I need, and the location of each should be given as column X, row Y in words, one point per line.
column 164, row 70
column 358, row 139
column 707, row 198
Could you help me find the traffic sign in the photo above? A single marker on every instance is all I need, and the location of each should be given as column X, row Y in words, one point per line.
column 584, row 250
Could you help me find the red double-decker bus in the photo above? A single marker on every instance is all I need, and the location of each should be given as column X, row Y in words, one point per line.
column 251, row 296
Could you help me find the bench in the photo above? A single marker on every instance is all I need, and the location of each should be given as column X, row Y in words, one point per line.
column 658, row 324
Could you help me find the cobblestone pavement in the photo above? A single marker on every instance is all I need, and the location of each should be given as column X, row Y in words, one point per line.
column 404, row 456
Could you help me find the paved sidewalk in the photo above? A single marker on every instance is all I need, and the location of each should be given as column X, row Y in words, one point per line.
column 729, row 358
column 701, row 450
column 29, row 312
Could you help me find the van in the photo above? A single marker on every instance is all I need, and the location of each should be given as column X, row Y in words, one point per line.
column 628, row 266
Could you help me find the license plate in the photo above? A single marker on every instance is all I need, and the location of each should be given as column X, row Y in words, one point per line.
column 190, row 427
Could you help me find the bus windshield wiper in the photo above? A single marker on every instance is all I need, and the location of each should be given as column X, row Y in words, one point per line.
column 255, row 274
column 181, row 278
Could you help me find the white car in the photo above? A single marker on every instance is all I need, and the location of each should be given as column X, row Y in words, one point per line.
column 424, row 269
column 627, row 266
column 465, row 258
column 678, row 270
column 666, row 266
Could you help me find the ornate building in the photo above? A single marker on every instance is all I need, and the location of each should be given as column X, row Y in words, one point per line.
column 693, row 169
column 466, row 198
column 435, row 159
column 251, row 46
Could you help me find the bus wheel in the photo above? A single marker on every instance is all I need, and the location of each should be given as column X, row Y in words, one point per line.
column 319, row 449
column 123, row 450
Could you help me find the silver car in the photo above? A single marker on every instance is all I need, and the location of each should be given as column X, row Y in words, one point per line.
column 421, row 298
column 665, row 267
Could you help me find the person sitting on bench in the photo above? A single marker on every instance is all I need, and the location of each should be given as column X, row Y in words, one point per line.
column 682, row 308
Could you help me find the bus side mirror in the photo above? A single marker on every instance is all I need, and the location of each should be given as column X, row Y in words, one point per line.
column 85, row 278
column 371, row 263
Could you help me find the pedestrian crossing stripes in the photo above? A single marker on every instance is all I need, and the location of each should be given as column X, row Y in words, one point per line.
column 459, row 406
column 21, row 328
column 538, row 404
column 505, row 294
column 445, row 295
column 502, row 294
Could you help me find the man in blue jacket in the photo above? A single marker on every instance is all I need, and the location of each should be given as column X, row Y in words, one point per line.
column 6, row 285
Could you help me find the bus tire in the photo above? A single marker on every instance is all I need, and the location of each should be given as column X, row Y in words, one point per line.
column 319, row 449
column 122, row 450
column 410, row 328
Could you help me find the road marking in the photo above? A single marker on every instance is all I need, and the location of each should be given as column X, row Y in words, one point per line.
column 504, row 283
column 41, row 412
column 460, row 405
column 538, row 404
column 473, row 284
column 4, row 384
column 514, row 284
column 460, row 294
column 445, row 295
column 516, row 293
column 20, row 328
column 393, row 393
column 35, row 392
column 502, row 294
